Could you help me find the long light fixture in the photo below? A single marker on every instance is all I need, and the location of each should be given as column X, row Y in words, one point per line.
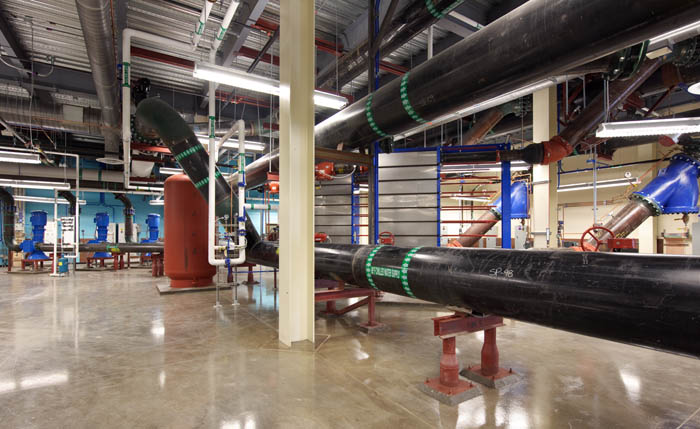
column 483, row 168
column 233, row 144
column 600, row 184
column 19, row 157
column 170, row 171
column 34, row 184
column 652, row 127
column 694, row 88
column 241, row 79
column 45, row 200
column 156, row 202
column 477, row 199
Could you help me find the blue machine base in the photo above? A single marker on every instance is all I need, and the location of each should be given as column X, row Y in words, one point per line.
column 37, row 255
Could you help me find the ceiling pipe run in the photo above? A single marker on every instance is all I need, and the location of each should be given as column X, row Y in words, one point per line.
column 128, row 217
column 491, row 62
column 96, row 21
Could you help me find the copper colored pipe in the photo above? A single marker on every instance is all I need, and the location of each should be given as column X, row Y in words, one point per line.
column 624, row 221
column 482, row 126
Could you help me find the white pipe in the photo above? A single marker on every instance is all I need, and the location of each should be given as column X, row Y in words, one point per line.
column 127, row 35
column 261, row 207
column 199, row 26
column 228, row 17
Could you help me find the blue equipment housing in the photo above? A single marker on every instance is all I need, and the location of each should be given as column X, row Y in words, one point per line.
column 38, row 221
column 153, row 223
column 675, row 189
column 518, row 202
column 102, row 222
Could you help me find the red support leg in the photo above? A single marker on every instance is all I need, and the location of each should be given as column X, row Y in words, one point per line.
column 251, row 278
column 489, row 373
column 448, row 388
column 489, row 353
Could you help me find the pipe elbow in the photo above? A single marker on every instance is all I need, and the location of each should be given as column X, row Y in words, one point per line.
column 555, row 150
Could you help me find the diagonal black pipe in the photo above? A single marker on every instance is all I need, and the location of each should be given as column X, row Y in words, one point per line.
column 511, row 53
column 68, row 196
column 128, row 217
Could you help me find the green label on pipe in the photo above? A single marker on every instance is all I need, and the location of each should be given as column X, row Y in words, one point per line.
column 206, row 180
column 370, row 117
column 437, row 14
column 406, row 103
column 368, row 266
column 222, row 32
column 212, row 127
column 184, row 154
column 125, row 80
column 404, row 270
column 200, row 28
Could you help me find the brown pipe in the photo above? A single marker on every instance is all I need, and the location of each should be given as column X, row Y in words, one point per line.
column 622, row 223
column 475, row 232
column 483, row 125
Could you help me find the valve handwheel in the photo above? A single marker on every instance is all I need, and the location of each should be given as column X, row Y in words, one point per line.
column 585, row 246
column 387, row 238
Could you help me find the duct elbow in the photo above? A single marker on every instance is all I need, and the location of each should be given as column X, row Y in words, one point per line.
column 555, row 150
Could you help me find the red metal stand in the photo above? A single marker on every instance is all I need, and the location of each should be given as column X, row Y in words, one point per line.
column 334, row 294
column 251, row 279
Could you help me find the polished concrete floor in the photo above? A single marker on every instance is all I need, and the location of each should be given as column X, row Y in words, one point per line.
column 103, row 349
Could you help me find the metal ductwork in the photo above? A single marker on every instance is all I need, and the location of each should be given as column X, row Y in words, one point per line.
column 128, row 217
column 16, row 112
column 96, row 20
column 43, row 171
column 493, row 62
column 8, row 220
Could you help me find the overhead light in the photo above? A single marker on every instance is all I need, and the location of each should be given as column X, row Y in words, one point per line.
column 34, row 184
column 694, row 88
column 45, row 200
column 483, row 168
column 241, row 79
column 156, row 202
column 652, row 127
column 477, row 199
column 233, row 144
column 600, row 184
column 111, row 160
column 680, row 33
column 170, row 171
column 20, row 157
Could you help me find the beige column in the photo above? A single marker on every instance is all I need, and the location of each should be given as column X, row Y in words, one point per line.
column 648, row 230
column 296, row 170
column 544, row 195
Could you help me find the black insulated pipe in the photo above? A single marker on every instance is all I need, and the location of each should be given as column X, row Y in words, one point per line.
column 68, row 196
column 190, row 154
column 644, row 300
column 8, row 220
column 513, row 52
column 128, row 217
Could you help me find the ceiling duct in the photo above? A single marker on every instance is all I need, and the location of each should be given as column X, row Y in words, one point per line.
column 96, row 21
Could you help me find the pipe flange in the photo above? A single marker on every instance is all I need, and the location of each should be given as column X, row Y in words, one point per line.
column 495, row 213
column 650, row 202
column 686, row 158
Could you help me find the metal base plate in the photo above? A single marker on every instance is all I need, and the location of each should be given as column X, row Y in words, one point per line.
column 29, row 271
column 503, row 378
column 164, row 288
column 376, row 327
column 464, row 391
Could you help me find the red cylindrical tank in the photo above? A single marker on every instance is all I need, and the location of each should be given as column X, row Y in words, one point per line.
column 185, row 214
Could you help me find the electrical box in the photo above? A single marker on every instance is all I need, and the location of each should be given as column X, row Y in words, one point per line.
column 135, row 229
column 111, row 231
column 50, row 232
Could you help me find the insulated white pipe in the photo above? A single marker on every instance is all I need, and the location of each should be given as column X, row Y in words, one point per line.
column 199, row 26
column 228, row 17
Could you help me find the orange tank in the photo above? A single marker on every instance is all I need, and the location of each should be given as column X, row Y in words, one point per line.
column 185, row 220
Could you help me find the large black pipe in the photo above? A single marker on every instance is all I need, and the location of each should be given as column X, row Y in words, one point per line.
column 8, row 220
column 68, row 196
column 513, row 52
column 645, row 300
column 190, row 154
column 156, row 247
column 128, row 217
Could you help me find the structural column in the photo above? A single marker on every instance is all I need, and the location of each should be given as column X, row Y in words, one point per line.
column 544, row 177
column 648, row 230
column 296, row 168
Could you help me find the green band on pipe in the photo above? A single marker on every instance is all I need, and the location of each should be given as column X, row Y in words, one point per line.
column 184, row 154
column 125, row 80
column 406, row 103
column 212, row 127
column 368, row 266
column 437, row 14
column 404, row 271
column 370, row 117
column 206, row 180
column 200, row 28
column 222, row 32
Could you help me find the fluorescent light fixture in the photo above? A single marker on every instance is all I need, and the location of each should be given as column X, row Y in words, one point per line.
column 45, row 200
column 34, row 184
column 170, row 171
column 20, row 157
column 241, row 79
column 600, row 184
column 477, row 199
column 652, row 127
column 157, row 202
column 680, row 33
column 694, row 88
column 483, row 168
column 233, row 144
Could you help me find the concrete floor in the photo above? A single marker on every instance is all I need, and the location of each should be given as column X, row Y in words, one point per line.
column 103, row 349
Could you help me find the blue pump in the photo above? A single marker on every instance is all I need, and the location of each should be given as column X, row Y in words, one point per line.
column 38, row 221
column 102, row 223
column 153, row 222
column 675, row 190
column 518, row 202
